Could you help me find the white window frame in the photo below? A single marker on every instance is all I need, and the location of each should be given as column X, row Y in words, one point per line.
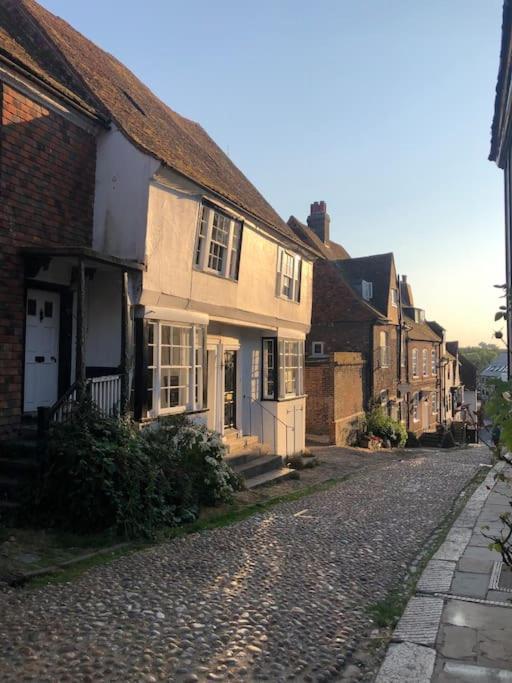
column 385, row 355
column 290, row 349
column 195, row 367
column 321, row 351
column 424, row 362
column 269, row 368
column 367, row 290
column 394, row 297
column 206, row 238
column 415, row 363
column 435, row 403
column 415, row 407
column 433, row 362
column 289, row 274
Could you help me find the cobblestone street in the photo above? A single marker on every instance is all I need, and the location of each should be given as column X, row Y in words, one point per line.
column 280, row 596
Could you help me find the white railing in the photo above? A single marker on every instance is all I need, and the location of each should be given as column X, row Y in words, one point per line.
column 106, row 393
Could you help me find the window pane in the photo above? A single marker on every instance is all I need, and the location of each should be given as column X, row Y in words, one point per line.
column 165, row 334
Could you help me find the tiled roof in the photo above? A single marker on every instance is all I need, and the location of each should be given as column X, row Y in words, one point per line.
column 332, row 251
column 58, row 53
column 468, row 373
column 420, row 331
column 497, row 367
column 453, row 348
column 376, row 269
column 335, row 301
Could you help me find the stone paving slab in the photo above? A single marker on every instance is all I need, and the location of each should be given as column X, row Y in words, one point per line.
column 454, row 545
column 437, row 577
column 469, row 584
column 420, row 621
column 407, row 663
column 460, row 672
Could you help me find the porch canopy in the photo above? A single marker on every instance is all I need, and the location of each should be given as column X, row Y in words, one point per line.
column 84, row 258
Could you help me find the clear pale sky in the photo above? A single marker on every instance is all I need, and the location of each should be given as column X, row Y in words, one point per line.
column 382, row 108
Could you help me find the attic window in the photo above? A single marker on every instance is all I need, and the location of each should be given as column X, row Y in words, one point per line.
column 367, row 290
column 134, row 103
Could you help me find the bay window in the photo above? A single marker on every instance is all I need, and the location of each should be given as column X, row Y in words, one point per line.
column 175, row 365
column 282, row 368
column 218, row 244
column 289, row 273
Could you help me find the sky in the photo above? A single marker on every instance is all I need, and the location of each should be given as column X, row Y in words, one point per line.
column 381, row 108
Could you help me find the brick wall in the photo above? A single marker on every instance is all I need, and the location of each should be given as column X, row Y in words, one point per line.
column 335, row 403
column 47, row 169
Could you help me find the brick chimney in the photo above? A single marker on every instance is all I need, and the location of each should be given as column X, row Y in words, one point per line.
column 319, row 220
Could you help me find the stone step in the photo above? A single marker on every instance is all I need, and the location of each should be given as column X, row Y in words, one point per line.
column 19, row 448
column 18, row 467
column 246, row 456
column 8, row 510
column 9, row 487
column 272, row 477
column 260, row 465
column 241, row 443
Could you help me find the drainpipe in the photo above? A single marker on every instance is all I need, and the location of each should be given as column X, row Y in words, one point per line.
column 371, row 364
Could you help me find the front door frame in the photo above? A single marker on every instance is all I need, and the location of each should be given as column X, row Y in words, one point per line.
column 234, row 389
column 65, row 333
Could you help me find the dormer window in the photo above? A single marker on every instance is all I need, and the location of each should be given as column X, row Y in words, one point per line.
column 367, row 290
column 219, row 242
column 289, row 272
column 317, row 349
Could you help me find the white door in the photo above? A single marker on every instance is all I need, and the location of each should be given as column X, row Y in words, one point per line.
column 41, row 349
column 424, row 407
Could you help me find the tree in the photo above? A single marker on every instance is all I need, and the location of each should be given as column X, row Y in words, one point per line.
column 482, row 355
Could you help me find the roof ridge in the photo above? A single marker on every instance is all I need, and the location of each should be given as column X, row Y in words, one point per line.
column 147, row 121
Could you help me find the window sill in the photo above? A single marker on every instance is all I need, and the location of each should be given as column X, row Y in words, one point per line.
column 206, row 271
column 290, row 301
column 177, row 411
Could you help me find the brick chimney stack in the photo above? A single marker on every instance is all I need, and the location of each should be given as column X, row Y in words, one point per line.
column 319, row 220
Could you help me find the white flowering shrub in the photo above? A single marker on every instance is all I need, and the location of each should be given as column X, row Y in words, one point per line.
column 201, row 454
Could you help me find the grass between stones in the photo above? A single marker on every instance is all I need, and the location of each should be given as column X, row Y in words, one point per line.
column 237, row 513
column 387, row 612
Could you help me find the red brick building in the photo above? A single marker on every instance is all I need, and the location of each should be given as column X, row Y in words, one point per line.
column 47, row 176
column 360, row 307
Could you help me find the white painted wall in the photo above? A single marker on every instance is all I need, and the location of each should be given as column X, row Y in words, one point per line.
column 123, row 174
column 173, row 212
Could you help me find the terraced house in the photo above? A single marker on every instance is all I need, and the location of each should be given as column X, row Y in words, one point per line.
column 352, row 349
column 136, row 258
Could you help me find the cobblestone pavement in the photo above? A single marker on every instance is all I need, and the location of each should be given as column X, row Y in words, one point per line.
column 280, row 596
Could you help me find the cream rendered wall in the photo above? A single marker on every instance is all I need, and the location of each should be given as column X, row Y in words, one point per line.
column 123, row 174
column 173, row 212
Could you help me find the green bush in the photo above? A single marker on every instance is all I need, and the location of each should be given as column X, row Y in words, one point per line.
column 102, row 472
column 380, row 424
